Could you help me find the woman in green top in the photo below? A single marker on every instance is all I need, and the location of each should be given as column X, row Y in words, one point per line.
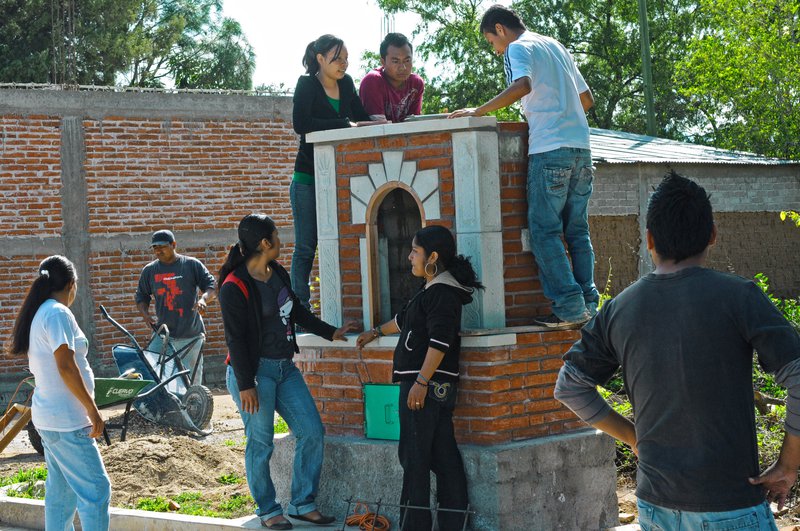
column 325, row 98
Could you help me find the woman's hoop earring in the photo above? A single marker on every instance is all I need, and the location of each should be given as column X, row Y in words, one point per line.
column 435, row 269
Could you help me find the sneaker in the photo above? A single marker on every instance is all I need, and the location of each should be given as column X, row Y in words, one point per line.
column 553, row 321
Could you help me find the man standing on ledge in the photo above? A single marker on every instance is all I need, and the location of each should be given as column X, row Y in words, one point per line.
column 393, row 91
column 555, row 98
column 174, row 279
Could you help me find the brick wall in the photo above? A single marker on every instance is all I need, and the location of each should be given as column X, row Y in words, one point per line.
column 505, row 393
column 192, row 163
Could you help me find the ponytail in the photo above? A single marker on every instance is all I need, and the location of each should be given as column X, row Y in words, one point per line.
column 435, row 238
column 235, row 259
column 461, row 269
column 252, row 229
column 54, row 274
column 323, row 45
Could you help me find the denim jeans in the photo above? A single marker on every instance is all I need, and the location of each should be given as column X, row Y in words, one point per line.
column 76, row 479
column 655, row 518
column 559, row 187
column 280, row 387
column 428, row 443
column 188, row 358
column 304, row 215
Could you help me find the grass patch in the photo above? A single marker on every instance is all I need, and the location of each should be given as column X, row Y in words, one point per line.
column 229, row 479
column 28, row 477
column 195, row 504
column 25, row 475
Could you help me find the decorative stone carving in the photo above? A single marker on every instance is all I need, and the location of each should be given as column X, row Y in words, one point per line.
column 425, row 184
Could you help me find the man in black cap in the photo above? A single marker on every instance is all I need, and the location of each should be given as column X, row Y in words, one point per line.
column 174, row 280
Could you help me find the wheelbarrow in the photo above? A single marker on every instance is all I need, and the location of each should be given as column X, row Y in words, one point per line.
column 108, row 392
column 172, row 400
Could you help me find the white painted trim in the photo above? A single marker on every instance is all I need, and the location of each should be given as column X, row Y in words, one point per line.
column 330, row 282
column 499, row 340
column 405, row 128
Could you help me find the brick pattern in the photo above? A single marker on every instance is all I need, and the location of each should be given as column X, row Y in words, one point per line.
column 505, row 393
column 142, row 174
column 30, row 176
column 194, row 175
column 524, row 297
column 16, row 275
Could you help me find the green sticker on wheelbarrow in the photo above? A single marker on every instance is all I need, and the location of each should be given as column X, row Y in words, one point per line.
column 110, row 391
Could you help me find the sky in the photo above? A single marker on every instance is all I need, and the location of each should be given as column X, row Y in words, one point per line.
column 280, row 30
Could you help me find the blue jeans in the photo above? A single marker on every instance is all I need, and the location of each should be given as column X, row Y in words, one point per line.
column 756, row 518
column 304, row 215
column 280, row 387
column 76, row 479
column 559, row 187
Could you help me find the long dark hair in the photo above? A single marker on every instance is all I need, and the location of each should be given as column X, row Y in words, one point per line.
column 54, row 274
column 322, row 45
column 252, row 229
column 440, row 239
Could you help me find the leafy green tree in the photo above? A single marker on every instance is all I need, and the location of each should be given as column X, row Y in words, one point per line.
column 743, row 73
column 28, row 40
column 188, row 42
column 143, row 43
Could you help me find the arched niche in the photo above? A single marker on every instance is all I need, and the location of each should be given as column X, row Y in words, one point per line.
column 394, row 214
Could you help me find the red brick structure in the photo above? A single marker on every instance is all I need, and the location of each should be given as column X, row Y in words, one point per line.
column 505, row 393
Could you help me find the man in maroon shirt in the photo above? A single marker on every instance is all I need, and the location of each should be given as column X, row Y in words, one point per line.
column 393, row 91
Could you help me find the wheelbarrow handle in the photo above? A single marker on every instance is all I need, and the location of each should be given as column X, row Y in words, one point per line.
column 161, row 384
column 120, row 327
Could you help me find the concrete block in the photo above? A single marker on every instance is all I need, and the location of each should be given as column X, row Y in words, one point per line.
column 561, row 482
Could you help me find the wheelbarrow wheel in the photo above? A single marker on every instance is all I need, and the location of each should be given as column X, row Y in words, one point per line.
column 35, row 438
column 199, row 403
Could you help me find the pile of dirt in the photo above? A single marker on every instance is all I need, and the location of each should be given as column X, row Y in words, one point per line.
column 155, row 465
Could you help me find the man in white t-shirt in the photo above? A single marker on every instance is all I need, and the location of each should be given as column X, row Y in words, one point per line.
column 555, row 97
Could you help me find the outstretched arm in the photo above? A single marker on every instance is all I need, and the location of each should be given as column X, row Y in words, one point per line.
column 513, row 93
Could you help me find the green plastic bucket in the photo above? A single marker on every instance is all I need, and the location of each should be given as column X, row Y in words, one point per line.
column 381, row 411
column 110, row 391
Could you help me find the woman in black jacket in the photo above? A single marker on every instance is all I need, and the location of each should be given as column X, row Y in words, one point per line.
column 426, row 365
column 259, row 312
column 325, row 98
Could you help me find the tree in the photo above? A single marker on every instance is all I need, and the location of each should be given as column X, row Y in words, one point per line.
column 743, row 73
column 143, row 43
column 31, row 39
column 188, row 42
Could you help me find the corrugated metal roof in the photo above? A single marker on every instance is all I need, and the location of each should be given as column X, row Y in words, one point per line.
column 616, row 147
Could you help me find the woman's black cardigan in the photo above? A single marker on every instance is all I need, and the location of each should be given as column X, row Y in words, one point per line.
column 313, row 112
column 240, row 302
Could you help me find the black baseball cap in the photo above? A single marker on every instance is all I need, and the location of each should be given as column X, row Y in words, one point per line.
column 162, row 237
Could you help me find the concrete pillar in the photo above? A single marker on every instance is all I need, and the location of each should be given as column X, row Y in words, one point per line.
column 75, row 214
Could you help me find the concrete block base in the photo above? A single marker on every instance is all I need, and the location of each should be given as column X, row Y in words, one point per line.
column 560, row 482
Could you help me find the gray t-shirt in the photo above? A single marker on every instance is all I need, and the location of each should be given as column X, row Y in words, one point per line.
column 685, row 342
column 175, row 289
column 276, row 307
